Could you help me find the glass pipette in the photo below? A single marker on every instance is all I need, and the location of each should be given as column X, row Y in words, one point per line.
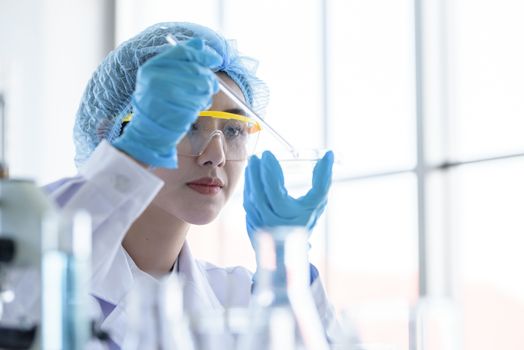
column 232, row 95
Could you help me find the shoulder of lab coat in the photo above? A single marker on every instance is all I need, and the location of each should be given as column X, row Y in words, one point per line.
column 115, row 190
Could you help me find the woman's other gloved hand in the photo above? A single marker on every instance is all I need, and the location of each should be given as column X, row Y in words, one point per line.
column 267, row 202
column 171, row 89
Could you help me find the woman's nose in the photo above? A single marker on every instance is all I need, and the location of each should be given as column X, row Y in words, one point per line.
column 214, row 153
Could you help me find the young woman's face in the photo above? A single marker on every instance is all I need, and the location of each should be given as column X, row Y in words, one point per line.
column 199, row 188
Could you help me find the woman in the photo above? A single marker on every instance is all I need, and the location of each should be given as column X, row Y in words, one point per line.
column 156, row 153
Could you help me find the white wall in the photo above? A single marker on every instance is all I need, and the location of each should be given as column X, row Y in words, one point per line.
column 49, row 49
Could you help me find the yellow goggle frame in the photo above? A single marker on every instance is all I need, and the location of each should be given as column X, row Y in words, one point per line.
column 255, row 126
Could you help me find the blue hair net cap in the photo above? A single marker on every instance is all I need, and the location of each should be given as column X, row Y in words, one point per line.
column 107, row 98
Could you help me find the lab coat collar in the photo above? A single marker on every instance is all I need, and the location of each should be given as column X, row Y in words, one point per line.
column 198, row 293
column 113, row 286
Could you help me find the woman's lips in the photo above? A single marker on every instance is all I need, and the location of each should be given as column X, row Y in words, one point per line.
column 206, row 185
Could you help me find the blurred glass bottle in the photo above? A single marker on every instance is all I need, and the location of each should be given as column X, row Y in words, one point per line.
column 283, row 311
column 66, row 261
column 156, row 318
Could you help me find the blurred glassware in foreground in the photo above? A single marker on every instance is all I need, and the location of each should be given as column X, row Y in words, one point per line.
column 437, row 324
column 66, row 263
column 283, row 313
column 379, row 324
column 156, row 317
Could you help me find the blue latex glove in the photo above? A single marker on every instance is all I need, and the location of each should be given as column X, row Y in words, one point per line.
column 268, row 204
column 171, row 89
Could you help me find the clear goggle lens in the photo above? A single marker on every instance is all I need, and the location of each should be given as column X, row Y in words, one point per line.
column 235, row 133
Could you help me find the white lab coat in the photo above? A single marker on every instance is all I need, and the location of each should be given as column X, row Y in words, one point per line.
column 115, row 190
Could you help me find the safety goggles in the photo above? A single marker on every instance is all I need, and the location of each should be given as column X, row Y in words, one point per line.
column 235, row 133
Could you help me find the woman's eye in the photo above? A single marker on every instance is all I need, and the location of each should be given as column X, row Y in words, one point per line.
column 232, row 131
